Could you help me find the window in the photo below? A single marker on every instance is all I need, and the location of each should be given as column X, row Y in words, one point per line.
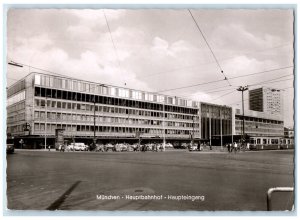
column 37, row 79
column 63, row 84
column 53, row 104
column 36, row 115
column 36, row 127
column 112, row 91
column 37, row 102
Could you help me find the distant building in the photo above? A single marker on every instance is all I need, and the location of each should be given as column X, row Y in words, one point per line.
column 288, row 132
column 267, row 100
column 258, row 124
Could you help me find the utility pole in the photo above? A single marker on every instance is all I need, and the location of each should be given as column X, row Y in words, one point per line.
column 164, row 130
column 193, row 130
column 242, row 89
column 221, row 129
column 209, row 127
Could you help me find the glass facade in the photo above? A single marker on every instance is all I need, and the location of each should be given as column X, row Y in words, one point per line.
column 216, row 120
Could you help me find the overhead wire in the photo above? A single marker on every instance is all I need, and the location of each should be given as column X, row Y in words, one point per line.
column 260, row 83
column 235, row 77
column 213, row 54
column 112, row 40
column 201, row 64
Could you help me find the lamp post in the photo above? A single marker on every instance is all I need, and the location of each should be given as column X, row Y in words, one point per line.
column 46, row 123
column 193, row 131
column 242, row 89
column 221, row 129
column 164, row 131
column 94, row 140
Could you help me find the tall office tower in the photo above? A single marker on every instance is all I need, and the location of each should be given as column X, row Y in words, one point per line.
column 267, row 100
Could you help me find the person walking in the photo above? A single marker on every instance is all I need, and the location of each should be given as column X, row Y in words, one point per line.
column 248, row 146
column 235, row 146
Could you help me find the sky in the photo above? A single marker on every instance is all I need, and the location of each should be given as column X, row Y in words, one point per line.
column 160, row 50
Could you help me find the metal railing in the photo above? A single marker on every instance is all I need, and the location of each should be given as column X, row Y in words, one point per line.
column 276, row 189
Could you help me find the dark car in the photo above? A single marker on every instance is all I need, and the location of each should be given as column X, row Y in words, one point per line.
column 10, row 148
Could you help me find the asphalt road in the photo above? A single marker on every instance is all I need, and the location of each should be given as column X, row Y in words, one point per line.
column 41, row 180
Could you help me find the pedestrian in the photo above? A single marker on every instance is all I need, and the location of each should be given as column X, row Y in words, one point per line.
column 235, row 146
column 198, row 146
column 248, row 146
column 49, row 147
column 228, row 147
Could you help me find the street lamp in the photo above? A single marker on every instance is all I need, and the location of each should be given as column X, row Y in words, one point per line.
column 192, row 136
column 242, row 89
column 15, row 64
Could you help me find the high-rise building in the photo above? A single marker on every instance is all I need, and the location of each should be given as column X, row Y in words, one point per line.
column 267, row 100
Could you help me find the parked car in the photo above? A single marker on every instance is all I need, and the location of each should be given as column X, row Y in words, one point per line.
column 108, row 147
column 80, row 147
column 168, row 145
column 10, row 148
column 149, row 147
column 184, row 145
column 99, row 147
column 193, row 147
column 70, row 147
column 135, row 147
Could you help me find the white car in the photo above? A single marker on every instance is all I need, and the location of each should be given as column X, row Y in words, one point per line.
column 70, row 147
column 193, row 147
column 80, row 147
column 169, row 145
column 121, row 147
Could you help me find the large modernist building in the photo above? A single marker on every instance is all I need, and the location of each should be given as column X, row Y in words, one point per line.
column 40, row 103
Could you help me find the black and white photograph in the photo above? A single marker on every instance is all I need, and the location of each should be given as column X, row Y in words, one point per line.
column 149, row 109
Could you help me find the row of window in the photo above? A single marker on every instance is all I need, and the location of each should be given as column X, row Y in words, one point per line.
column 16, row 118
column 109, row 129
column 240, row 118
column 54, row 105
column 55, row 116
column 83, row 97
column 15, row 129
column 260, row 131
column 86, row 87
column 16, row 107
column 19, row 86
column 16, row 98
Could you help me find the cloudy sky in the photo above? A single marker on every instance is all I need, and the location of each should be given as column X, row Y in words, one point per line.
column 159, row 50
